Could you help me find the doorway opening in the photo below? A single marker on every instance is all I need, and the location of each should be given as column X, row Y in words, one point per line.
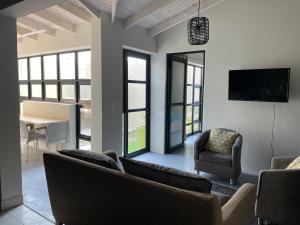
column 55, row 72
column 136, row 103
column 184, row 97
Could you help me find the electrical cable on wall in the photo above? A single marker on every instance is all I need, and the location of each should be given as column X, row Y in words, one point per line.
column 273, row 133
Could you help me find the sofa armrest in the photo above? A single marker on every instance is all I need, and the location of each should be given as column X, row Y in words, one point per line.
column 278, row 197
column 200, row 142
column 236, row 150
column 281, row 162
column 111, row 154
column 237, row 211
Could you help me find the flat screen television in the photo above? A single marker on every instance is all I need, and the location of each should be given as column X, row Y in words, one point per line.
column 268, row 85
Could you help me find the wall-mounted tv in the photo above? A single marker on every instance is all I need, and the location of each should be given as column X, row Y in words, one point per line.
column 268, row 85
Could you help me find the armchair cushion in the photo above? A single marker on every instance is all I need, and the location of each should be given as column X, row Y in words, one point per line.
column 295, row 164
column 221, row 141
column 165, row 175
column 216, row 158
column 93, row 157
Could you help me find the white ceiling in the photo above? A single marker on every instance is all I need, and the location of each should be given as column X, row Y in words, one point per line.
column 154, row 15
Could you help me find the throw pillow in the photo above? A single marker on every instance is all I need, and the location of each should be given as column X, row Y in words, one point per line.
column 165, row 175
column 295, row 164
column 92, row 157
column 221, row 141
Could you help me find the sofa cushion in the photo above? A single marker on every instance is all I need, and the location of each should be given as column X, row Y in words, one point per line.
column 216, row 158
column 295, row 164
column 221, row 141
column 165, row 175
column 92, row 157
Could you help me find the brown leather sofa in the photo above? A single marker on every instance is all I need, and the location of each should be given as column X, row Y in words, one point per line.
column 82, row 193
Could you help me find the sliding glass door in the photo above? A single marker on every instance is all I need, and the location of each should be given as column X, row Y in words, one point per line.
column 136, row 103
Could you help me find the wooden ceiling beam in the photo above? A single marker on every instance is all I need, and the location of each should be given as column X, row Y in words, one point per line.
column 114, row 10
column 23, row 32
column 76, row 11
column 95, row 12
column 35, row 25
column 52, row 18
column 182, row 16
column 145, row 12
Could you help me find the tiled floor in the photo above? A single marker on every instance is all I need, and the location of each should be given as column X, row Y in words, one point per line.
column 22, row 215
column 35, row 191
column 183, row 159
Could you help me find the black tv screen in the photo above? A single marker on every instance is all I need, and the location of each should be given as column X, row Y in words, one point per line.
column 269, row 85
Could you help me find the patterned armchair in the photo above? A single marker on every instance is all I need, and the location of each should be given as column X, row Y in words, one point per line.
column 225, row 165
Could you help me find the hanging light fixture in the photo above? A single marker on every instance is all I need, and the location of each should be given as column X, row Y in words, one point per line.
column 198, row 30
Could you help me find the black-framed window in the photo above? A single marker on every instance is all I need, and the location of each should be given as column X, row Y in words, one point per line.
column 194, row 99
column 136, row 103
column 60, row 77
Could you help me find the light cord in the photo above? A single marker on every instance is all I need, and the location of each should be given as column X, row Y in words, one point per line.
column 199, row 8
column 273, row 133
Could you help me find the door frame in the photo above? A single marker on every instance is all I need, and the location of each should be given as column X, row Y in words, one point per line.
column 147, row 57
column 168, row 92
column 169, row 104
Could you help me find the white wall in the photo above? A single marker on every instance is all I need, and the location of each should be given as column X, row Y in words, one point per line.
column 10, row 156
column 62, row 41
column 114, row 38
column 243, row 34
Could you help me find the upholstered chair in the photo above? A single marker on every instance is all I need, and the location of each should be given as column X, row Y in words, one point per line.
column 278, row 195
column 225, row 165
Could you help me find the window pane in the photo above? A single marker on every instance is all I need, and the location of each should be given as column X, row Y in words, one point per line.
column 196, row 113
column 51, row 91
column 197, row 95
column 85, row 92
column 23, row 69
column 198, row 75
column 136, row 131
column 50, row 67
column 136, row 69
column 196, row 127
column 85, row 121
column 67, row 66
column 35, row 68
column 178, row 82
column 189, row 114
column 68, row 92
column 176, row 125
column 136, row 96
column 189, row 95
column 188, row 129
column 84, row 65
column 36, row 91
column 24, row 90
column 85, row 145
column 190, row 75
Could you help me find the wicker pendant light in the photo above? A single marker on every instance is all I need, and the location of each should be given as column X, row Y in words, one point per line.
column 198, row 30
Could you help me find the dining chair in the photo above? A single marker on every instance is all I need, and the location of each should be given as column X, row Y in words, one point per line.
column 27, row 134
column 53, row 133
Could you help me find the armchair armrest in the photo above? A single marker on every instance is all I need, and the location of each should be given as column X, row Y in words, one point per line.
column 236, row 150
column 281, row 162
column 278, row 197
column 200, row 143
column 237, row 211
